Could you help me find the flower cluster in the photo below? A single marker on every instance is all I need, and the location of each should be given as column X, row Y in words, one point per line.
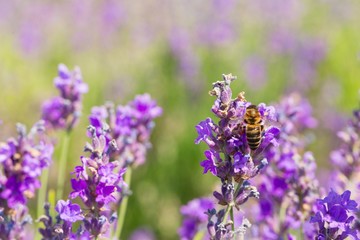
column 195, row 217
column 130, row 126
column 346, row 158
column 63, row 112
column 68, row 213
column 232, row 156
column 289, row 186
column 336, row 216
column 22, row 160
column 98, row 183
column 12, row 222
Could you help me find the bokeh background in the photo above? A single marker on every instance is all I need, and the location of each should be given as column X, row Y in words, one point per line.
column 174, row 50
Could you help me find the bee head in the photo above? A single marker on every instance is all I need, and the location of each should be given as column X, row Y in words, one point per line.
column 252, row 111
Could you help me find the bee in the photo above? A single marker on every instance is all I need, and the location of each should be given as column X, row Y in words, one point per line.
column 254, row 127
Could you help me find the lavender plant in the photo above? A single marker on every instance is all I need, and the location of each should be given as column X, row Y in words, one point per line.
column 230, row 158
column 130, row 126
column 62, row 112
column 335, row 217
column 289, row 186
column 22, row 161
column 195, row 220
column 346, row 158
column 97, row 183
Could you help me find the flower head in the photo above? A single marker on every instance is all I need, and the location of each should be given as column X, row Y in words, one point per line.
column 98, row 183
column 130, row 126
column 195, row 217
column 68, row 211
column 335, row 216
column 63, row 112
column 23, row 159
column 237, row 146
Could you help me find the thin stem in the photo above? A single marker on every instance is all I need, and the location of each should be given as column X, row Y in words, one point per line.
column 42, row 192
column 302, row 230
column 123, row 206
column 238, row 187
column 42, row 196
column 226, row 214
column 62, row 166
column 232, row 219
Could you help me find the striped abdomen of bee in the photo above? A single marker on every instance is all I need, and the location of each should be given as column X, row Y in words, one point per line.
column 254, row 127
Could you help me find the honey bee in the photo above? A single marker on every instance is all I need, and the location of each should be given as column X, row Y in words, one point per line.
column 254, row 127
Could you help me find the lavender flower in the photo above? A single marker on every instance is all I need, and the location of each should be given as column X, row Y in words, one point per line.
column 98, row 182
column 346, row 158
column 61, row 228
column 228, row 139
column 68, row 212
column 336, row 216
column 229, row 156
column 23, row 160
column 130, row 126
column 12, row 222
column 289, row 186
column 142, row 234
column 63, row 112
column 195, row 217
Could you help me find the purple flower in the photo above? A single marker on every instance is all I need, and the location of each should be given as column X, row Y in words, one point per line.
column 142, row 234
column 13, row 223
column 63, row 112
column 335, row 216
column 54, row 112
column 347, row 157
column 288, row 187
column 195, row 217
column 130, row 126
column 98, row 183
column 255, row 72
column 79, row 189
column 23, row 160
column 205, row 134
column 211, row 162
column 69, row 212
column 229, row 156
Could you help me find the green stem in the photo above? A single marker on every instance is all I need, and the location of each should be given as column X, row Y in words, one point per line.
column 232, row 219
column 238, row 187
column 42, row 196
column 226, row 214
column 62, row 165
column 123, row 206
column 42, row 192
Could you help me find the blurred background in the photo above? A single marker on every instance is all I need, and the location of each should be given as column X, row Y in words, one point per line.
column 174, row 50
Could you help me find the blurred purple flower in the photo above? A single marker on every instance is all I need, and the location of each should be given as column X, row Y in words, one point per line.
column 13, row 222
column 289, row 185
column 255, row 72
column 142, row 234
column 187, row 61
column 130, row 126
column 336, row 216
column 64, row 111
column 23, row 160
column 195, row 217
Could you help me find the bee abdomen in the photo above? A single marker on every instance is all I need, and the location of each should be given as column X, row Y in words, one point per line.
column 253, row 136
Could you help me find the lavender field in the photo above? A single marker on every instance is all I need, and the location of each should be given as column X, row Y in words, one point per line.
column 147, row 120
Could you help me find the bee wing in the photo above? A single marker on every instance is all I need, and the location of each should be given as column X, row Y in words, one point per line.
column 268, row 123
